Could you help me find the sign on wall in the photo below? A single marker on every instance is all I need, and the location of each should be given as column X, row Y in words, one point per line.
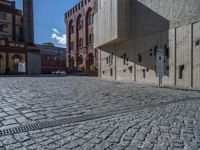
column 21, row 67
column 160, row 65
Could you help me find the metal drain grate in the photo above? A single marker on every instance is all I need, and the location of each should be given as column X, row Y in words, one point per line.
column 48, row 124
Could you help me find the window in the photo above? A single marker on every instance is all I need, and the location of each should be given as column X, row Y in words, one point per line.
column 80, row 59
column 91, row 59
column 107, row 61
column 90, row 39
column 166, row 51
column 139, row 58
column 197, row 43
column 80, row 24
column 4, row 16
column 111, row 63
column 79, row 42
column 111, row 72
column 151, row 52
column 144, row 73
column 21, row 30
column 124, row 59
column 130, row 69
column 90, row 19
column 103, row 72
column 181, row 71
column 155, row 50
column 4, row 28
column 71, row 29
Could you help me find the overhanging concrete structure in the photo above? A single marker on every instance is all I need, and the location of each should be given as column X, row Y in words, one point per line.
column 128, row 34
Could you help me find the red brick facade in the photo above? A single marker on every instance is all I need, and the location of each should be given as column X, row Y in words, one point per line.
column 79, row 22
column 52, row 58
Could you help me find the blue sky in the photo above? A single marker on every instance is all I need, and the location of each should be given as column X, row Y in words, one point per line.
column 49, row 20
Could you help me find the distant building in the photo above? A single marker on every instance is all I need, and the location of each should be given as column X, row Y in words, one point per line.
column 130, row 33
column 81, row 54
column 52, row 58
column 18, row 55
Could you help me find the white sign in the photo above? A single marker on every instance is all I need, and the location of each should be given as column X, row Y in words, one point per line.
column 160, row 65
column 21, row 67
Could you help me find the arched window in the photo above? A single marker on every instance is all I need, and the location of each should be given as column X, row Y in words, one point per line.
column 72, row 62
column 80, row 59
column 91, row 59
column 80, row 22
column 71, row 27
column 90, row 19
column 90, row 39
column 89, row 16
column 17, row 58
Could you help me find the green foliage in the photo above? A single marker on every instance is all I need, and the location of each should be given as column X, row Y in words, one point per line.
column 93, row 67
column 48, row 44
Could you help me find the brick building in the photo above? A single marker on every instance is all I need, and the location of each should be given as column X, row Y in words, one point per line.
column 17, row 48
column 79, row 21
column 52, row 58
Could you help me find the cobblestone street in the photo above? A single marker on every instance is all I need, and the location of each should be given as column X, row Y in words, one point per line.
column 135, row 116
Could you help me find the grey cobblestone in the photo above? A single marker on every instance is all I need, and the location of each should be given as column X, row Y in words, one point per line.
column 175, row 126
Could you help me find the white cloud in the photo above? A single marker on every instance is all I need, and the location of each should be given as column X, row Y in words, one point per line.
column 55, row 31
column 60, row 38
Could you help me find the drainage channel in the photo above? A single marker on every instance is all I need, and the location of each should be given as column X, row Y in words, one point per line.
column 71, row 120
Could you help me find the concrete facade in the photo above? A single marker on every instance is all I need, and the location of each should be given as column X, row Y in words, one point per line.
column 137, row 29
column 80, row 54
column 34, row 63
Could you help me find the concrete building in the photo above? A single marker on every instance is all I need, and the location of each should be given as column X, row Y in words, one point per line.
column 79, row 21
column 52, row 58
column 18, row 55
column 129, row 33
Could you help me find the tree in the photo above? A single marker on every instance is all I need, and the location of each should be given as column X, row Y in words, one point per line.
column 48, row 44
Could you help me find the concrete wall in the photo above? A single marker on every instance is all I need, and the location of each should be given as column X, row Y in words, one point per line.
column 196, row 54
column 172, row 25
column 110, row 23
column 34, row 63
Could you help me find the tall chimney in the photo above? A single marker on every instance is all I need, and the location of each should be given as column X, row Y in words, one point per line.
column 28, row 25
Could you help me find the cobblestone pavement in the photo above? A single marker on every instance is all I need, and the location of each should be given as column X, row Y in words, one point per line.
column 32, row 100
